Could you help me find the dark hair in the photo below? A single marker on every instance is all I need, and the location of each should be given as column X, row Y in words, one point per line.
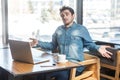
column 67, row 8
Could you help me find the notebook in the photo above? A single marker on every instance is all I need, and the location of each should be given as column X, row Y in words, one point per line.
column 22, row 51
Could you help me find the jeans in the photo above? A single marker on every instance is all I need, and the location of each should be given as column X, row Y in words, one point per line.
column 56, row 75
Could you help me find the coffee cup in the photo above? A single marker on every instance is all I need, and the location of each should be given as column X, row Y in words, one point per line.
column 61, row 58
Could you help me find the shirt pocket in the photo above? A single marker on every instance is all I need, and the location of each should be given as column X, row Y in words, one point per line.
column 64, row 40
column 76, row 40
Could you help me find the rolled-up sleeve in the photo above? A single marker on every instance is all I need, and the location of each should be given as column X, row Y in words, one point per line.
column 48, row 45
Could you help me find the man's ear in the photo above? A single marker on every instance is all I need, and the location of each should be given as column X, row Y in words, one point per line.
column 73, row 15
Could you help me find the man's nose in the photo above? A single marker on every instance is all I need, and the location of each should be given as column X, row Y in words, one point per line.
column 64, row 16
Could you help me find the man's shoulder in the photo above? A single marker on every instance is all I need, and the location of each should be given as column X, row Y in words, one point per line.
column 79, row 26
column 60, row 27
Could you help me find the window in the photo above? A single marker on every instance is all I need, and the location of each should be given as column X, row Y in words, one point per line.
column 34, row 18
column 102, row 17
column 0, row 24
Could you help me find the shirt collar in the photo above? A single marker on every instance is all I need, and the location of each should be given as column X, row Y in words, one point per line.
column 70, row 26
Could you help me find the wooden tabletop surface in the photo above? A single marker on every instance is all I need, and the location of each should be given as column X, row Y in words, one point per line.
column 19, row 68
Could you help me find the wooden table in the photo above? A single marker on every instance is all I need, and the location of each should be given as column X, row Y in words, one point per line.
column 17, row 69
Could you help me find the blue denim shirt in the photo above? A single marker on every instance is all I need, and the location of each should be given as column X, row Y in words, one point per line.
column 70, row 41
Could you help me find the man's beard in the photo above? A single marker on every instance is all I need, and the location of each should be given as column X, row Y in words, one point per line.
column 67, row 24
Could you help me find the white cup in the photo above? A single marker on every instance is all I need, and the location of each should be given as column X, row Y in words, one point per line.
column 61, row 58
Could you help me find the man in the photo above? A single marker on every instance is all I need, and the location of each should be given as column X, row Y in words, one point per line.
column 71, row 39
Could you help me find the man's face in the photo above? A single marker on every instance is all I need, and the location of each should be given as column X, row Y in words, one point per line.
column 67, row 17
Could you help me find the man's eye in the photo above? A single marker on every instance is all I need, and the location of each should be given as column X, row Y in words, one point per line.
column 61, row 15
column 67, row 14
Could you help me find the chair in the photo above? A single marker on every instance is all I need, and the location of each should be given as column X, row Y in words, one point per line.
column 92, row 70
column 113, row 64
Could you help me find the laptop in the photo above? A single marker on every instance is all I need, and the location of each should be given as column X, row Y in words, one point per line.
column 22, row 51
